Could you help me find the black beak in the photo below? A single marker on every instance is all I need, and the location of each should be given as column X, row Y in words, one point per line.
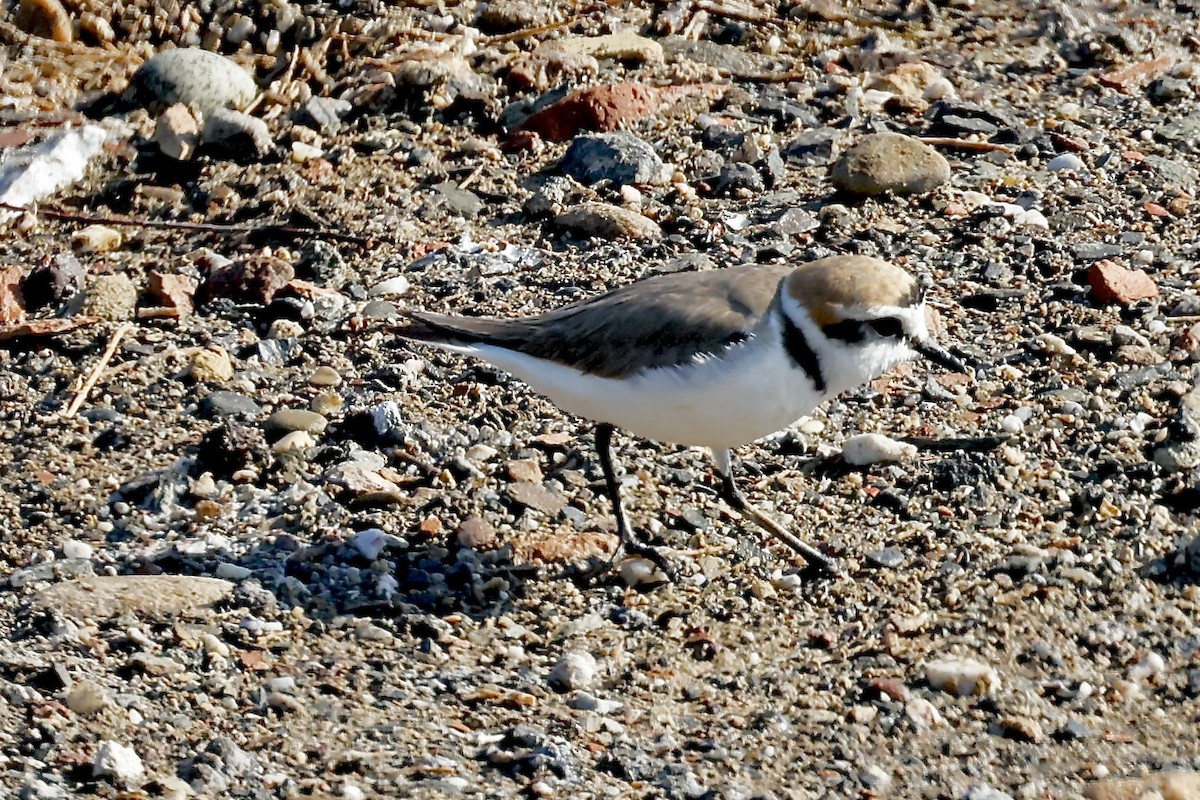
column 931, row 350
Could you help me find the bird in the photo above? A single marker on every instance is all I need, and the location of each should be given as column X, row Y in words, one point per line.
column 716, row 358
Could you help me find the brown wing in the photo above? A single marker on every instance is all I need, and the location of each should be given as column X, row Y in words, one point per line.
column 662, row 321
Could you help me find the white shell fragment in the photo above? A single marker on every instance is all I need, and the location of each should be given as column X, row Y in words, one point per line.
column 874, row 448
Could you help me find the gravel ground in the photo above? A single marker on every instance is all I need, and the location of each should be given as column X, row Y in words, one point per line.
column 272, row 551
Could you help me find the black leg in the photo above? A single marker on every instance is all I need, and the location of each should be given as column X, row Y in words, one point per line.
column 732, row 495
column 629, row 541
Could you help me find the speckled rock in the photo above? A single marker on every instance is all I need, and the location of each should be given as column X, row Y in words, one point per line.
column 111, row 297
column 890, row 162
column 152, row 596
column 192, row 76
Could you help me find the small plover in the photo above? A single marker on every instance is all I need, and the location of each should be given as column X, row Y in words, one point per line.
column 714, row 359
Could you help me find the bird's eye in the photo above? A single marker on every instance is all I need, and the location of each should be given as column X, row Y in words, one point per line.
column 888, row 327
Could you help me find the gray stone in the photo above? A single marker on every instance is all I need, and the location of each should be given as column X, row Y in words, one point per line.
column 1183, row 129
column 617, row 157
column 229, row 404
column 236, row 135
column 1094, row 251
column 460, row 201
column 296, row 419
column 890, row 162
column 193, row 76
column 324, row 114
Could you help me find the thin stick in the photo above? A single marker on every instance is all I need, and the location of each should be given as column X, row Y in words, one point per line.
column 106, row 356
column 202, row 227
column 964, row 144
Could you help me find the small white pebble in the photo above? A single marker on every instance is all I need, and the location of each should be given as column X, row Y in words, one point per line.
column 214, row 645
column 302, row 152
column 962, row 677
column 1066, row 161
column 873, row 448
column 73, row 548
column 233, row 572
column 370, row 543
column 390, row 288
column 1012, row 424
column 575, row 670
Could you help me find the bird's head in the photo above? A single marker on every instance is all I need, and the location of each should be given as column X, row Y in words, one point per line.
column 863, row 316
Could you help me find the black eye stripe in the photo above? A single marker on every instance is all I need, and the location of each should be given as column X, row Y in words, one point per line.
column 888, row 327
column 853, row 331
column 848, row 330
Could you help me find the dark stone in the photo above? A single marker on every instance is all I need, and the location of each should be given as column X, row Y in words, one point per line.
column 230, row 447
column 54, row 281
column 229, row 404
column 813, row 148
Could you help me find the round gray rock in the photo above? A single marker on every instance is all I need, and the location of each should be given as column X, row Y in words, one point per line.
column 190, row 75
column 617, row 157
column 890, row 162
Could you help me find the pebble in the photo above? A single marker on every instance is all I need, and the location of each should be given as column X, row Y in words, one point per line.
column 391, row 287
column 890, row 162
column 327, row 403
column 296, row 443
column 73, row 548
column 1112, row 283
column 191, row 76
column 54, row 281
column 605, row 221
column 211, row 365
column 229, row 404
column 177, row 133
column 618, row 158
column 121, row 763
column 96, row 239
column 232, row 572
column 325, row 376
column 1067, row 162
column 1012, row 424
column 110, row 297
column 296, row 419
column 575, row 670
column 874, row 448
column 370, row 542
column 236, row 135
column 86, row 698
column 255, row 279
column 962, row 677
column 981, row 791
column 324, row 114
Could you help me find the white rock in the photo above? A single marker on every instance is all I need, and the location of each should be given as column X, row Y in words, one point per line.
column 352, row 792
column 39, row 170
column 302, row 152
column 637, row 571
column 1055, row 345
column 872, row 448
column 73, row 548
column 233, row 572
column 1147, row 666
column 1012, row 424
column 923, row 714
column 121, row 763
column 1067, row 161
column 296, row 442
column 575, row 670
column 214, row 645
column 385, row 416
column 962, row 676
column 370, row 543
column 96, row 239
column 391, row 287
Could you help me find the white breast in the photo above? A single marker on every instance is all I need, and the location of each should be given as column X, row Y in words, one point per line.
column 751, row 391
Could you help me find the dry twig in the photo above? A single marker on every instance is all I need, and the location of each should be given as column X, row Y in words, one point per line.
column 94, row 375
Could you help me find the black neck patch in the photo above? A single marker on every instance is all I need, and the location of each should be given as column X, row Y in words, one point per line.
column 802, row 354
